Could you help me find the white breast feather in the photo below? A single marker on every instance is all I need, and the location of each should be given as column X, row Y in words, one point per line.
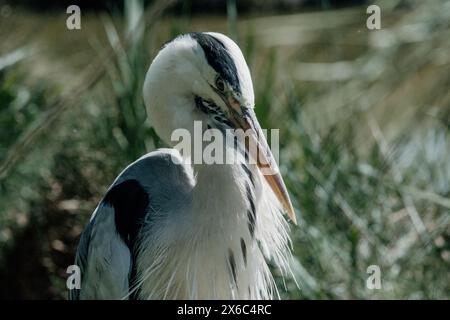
column 193, row 261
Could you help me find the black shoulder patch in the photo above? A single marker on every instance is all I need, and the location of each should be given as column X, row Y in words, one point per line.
column 130, row 202
column 218, row 58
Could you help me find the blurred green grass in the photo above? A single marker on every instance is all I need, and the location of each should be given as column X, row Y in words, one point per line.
column 364, row 131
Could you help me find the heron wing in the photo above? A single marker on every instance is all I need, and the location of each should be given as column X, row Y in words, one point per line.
column 105, row 252
column 107, row 249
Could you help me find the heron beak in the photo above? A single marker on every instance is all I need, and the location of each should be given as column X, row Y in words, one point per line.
column 245, row 119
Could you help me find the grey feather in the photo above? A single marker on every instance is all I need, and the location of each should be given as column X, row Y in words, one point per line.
column 104, row 256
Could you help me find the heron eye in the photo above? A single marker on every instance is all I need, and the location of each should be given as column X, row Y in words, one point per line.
column 220, row 84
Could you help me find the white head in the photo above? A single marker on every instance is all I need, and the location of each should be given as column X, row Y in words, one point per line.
column 204, row 77
column 209, row 66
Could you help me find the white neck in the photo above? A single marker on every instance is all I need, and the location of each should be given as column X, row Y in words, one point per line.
column 219, row 193
column 216, row 256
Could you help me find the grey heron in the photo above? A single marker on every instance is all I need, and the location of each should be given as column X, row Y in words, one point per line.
column 169, row 230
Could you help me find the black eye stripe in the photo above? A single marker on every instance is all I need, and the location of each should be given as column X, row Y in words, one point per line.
column 218, row 58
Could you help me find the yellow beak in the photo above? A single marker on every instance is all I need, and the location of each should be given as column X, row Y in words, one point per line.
column 264, row 157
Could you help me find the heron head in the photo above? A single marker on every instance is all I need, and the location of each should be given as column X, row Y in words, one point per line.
column 206, row 66
column 204, row 77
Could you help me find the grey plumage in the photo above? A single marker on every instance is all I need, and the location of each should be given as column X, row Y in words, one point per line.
column 169, row 229
column 167, row 186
